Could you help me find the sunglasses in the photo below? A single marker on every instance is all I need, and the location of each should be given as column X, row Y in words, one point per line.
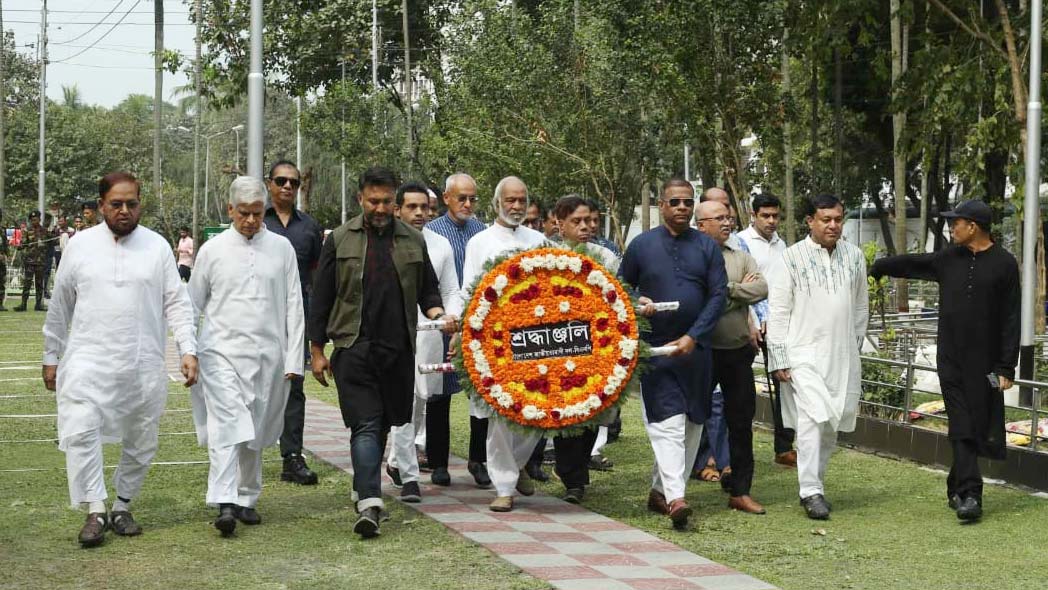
column 282, row 180
column 464, row 198
column 689, row 203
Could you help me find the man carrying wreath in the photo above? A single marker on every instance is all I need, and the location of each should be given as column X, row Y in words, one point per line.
column 675, row 262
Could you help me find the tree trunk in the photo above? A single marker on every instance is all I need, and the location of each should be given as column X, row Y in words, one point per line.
column 838, row 122
column 158, row 110
column 787, row 144
column 407, row 89
column 813, row 156
column 898, row 156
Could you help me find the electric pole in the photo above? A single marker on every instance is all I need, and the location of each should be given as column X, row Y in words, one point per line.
column 407, row 88
column 43, row 106
column 158, row 105
column 196, row 126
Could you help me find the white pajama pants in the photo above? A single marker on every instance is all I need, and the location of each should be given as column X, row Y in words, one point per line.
column 601, row 442
column 508, row 451
column 815, row 444
column 402, row 454
column 84, row 463
column 235, row 476
column 675, row 442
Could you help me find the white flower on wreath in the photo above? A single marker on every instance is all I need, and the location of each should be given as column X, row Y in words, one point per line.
column 564, row 307
column 474, row 345
column 500, row 283
column 575, row 265
column 530, row 412
column 597, row 278
column 540, row 311
column 543, row 369
column 570, row 366
column 476, row 323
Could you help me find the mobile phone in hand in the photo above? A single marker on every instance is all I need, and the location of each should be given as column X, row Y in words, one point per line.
column 995, row 382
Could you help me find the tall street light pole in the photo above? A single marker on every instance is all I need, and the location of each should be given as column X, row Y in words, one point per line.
column 1031, row 198
column 41, row 179
column 196, row 127
column 237, row 131
column 255, row 96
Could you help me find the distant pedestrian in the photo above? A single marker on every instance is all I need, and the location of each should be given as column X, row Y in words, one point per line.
column 186, row 252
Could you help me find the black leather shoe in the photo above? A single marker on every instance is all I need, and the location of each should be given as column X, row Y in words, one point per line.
column 440, row 477
column 479, row 471
column 40, row 307
column 969, row 509
column 248, row 516
column 20, row 307
column 574, row 495
column 394, row 474
column 296, row 471
column 816, row 508
column 367, row 523
column 226, row 523
column 954, row 501
column 535, row 472
column 124, row 524
column 411, row 492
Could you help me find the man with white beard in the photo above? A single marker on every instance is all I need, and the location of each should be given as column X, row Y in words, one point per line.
column 507, row 449
column 246, row 286
column 104, row 336
column 413, row 208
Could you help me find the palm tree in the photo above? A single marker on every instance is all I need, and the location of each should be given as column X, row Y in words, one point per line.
column 71, row 97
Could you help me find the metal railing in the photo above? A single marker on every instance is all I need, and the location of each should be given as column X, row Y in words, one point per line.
column 909, row 370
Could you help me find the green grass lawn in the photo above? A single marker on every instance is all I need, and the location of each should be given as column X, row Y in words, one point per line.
column 306, row 540
column 890, row 529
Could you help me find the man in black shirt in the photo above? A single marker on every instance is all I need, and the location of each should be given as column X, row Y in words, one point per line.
column 374, row 274
column 306, row 236
column 978, row 341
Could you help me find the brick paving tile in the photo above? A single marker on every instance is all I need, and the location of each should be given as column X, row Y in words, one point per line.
column 564, row 544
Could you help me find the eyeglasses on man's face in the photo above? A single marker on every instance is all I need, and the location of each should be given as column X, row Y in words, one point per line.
column 689, row 203
column 282, row 180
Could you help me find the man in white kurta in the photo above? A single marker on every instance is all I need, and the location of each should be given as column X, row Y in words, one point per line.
column 508, row 450
column 819, row 309
column 402, row 466
column 115, row 296
column 246, row 285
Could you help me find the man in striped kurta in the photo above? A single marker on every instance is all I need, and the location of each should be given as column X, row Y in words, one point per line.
column 819, row 309
column 458, row 226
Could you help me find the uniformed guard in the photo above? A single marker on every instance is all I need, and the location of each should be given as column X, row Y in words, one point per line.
column 33, row 250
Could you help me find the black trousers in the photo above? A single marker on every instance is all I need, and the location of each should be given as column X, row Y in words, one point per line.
column 438, row 433
column 964, row 479
column 185, row 272
column 783, row 436
column 573, row 456
column 733, row 370
column 295, row 410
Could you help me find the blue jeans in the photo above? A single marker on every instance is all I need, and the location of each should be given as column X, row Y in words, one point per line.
column 715, row 436
column 367, row 443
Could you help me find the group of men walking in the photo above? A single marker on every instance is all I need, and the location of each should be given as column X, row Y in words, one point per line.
column 270, row 284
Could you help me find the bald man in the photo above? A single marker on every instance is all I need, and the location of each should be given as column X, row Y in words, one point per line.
column 733, row 353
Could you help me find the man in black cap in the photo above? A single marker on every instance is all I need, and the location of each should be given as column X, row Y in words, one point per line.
column 978, row 341
column 33, row 251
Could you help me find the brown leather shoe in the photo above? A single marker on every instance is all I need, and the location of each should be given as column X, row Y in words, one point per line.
column 787, row 459
column 657, row 502
column 745, row 504
column 93, row 533
column 679, row 511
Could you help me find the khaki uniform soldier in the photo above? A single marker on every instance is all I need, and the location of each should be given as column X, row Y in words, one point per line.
column 33, row 250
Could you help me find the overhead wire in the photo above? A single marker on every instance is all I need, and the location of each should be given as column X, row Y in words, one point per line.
column 93, row 27
column 115, row 25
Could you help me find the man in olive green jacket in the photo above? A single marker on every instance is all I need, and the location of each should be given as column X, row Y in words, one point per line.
column 374, row 272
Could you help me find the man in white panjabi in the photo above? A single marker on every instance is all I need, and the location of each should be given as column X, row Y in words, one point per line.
column 245, row 283
column 116, row 294
column 508, row 450
column 413, row 208
column 818, row 313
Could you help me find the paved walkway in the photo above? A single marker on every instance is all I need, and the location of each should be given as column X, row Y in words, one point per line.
column 564, row 544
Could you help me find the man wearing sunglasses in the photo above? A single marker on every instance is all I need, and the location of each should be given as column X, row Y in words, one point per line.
column 458, row 226
column 306, row 236
column 675, row 262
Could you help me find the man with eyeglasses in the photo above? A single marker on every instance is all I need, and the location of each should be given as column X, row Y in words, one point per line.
column 115, row 298
column 733, row 353
column 459, row 226
column 675, row 262
column 306, row 236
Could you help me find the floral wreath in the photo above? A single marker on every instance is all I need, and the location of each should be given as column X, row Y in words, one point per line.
column 550, row 339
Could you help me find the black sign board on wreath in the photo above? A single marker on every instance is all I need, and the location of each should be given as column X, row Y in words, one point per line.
column 542, row 341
